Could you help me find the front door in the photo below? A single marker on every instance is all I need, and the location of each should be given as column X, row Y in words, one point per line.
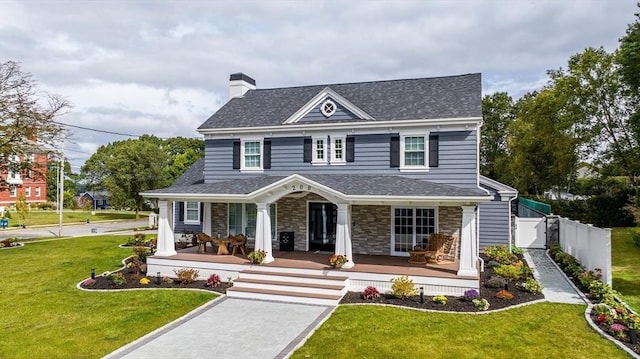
column 322, row 226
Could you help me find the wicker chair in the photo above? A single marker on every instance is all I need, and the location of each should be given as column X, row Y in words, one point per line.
column 439, row 246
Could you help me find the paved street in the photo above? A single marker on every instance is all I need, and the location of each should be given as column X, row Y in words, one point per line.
column 73, row 230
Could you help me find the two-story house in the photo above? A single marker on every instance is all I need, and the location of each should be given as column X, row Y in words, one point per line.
column 368, row 170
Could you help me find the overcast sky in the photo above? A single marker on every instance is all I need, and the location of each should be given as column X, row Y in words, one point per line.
column 162, row 67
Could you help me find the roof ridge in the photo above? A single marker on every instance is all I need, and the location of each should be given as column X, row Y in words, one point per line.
column 365, row 82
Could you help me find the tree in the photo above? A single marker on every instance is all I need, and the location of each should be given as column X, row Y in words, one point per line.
column 498, row 114
column 27, row 120
column 182, row 152
column 544, row 151
column 126, row 168
column 23, row 209
column 71, row 181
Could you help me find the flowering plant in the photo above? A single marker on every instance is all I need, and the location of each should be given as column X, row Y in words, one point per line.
column 618, row 330
column 337, row 260
column 213, row 281
column 89, row 282
column 481, row 303
column 257, row 256
column 145, row 281
column 471, row 294
column 504, row 294
column 440, row 299
column 370, row 292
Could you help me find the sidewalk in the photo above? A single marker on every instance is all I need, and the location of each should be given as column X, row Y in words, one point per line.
column 230, row 328
column 72, row 230
column 556, row 288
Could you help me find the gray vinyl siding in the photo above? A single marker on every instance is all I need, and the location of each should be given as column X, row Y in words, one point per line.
column 180, row 226
column 457, row 167
column 341, row 114
column 494, row 222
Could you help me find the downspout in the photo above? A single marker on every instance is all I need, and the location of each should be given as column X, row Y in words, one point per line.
column 510, row 223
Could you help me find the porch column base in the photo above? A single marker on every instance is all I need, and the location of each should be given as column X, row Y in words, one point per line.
column 348, row 265
column 467, row 273
column 467, row 243
column 263, row 232
column 166, row 243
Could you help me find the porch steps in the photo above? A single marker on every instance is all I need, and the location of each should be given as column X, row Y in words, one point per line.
column 289, row 287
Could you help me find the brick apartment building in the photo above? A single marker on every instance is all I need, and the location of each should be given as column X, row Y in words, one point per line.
column 33, row 186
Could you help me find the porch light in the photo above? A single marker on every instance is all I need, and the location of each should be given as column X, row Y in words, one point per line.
column 93, row 273
column 421, row 295
column 158, row 278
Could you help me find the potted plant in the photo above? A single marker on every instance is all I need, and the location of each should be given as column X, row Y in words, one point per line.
column 257, row 257
column 337, row 260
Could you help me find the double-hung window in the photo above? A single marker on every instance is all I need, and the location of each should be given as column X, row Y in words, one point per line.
column 192, row 212
column 27, row 192
column 13, row 192
column 338, row 150
column 319, row 150
column 413, row 152
column 243, row 218
column 252, row 155
column 38, row 192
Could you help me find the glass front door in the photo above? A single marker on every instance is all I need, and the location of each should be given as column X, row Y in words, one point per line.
column 322, row 226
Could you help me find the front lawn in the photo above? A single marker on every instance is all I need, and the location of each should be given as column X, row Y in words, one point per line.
column 542, row 330
column 37, row 217
column 625, row 258
column 43, row 315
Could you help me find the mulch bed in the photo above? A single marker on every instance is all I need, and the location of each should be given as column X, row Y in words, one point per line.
column 454, row 304
column 626, row 341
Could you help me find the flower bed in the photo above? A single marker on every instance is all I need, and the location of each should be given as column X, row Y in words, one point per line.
column 496, row 292
column 608, row 312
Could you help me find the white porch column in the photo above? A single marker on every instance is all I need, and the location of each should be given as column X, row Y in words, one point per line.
column 166, row 243
column 468, row 242
column 206, row 219
column 343, row 234
column 263, row 231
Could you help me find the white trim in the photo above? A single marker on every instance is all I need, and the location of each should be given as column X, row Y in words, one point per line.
column 414, row 168
column 243, row 167
column 436, row 214
column 361, row 127
column 320, row 98
column 343, row 141
column 506, row 193
column 186, row 211
column 323, row 109
column 314, row 150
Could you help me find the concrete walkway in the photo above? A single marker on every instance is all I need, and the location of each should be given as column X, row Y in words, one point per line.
column 556, row 288
column 230, row 328
column 73, row 230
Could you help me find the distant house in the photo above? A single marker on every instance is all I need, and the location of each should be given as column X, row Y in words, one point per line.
column 367, row 170
column 100, row 199
column 33, row 186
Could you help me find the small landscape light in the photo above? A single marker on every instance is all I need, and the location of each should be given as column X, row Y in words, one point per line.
column 158, row 278
column 506, row 285
column 93, row 273
column 421, row 295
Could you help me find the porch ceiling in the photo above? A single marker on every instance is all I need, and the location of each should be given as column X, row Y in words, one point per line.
column 338, row 187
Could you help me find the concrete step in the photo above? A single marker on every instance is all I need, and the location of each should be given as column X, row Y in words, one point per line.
column 298, row 287
column 284, row 296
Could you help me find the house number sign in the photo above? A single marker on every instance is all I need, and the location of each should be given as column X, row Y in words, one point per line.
column 300, row 187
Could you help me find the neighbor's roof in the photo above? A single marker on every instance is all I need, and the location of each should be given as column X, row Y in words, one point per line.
column 409, row 99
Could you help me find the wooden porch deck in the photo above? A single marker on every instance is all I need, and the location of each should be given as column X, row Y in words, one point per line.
column 375, row 264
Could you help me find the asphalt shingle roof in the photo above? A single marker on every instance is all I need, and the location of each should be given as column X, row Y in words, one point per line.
column 351, row 185
column 424, row 98
column 193, row 175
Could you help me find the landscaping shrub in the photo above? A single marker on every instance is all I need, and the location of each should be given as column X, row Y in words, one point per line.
column 500, row 254
column 370, row 293
column 481, row 304
column 403, row 287
column 508, row 271
column 517, row 251
column 494, row 282
column 504, row 294
column 118, row 279
column 440, row 299
column 213, row 280
column 186, row 275
column 471, row 294
column 532, row 285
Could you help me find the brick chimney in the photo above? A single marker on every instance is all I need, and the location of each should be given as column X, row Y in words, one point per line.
column 239, row 84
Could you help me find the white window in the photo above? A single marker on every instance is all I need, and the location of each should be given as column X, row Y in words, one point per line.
column 251, row 155
column 37, row 191
column 13, row 192
column 319, row 150
column 338, row 150
column 413, row 152
column 243, row 217
column 27, row 192
column 14, row 174
column 192, row 212
column 412, row 227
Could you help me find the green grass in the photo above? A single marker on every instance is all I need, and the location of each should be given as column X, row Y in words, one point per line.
column 542, row 330
column 37, row 217
column 43, row 315
column 625, row 258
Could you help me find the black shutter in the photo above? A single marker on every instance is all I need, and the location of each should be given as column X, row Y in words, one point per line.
column 351, row 140
column 201, row 211
column 236, row 155
column 307, row 149
column 394, row 144
column 433, row 150
column 266, row 156
column 181, row 211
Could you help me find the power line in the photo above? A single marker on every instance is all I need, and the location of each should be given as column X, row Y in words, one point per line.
column 102, row 131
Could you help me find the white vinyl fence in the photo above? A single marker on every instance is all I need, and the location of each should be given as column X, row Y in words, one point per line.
column 590, row 245
column 531, row 232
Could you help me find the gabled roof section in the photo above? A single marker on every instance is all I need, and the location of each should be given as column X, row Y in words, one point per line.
column 193, row 175
column 410, row 99
column 321, row 97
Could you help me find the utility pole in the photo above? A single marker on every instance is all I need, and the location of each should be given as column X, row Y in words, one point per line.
column 61, row 187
